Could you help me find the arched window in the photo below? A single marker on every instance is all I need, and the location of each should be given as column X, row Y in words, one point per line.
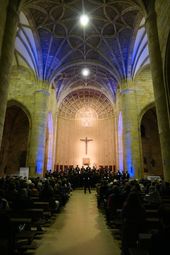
column 86, row 116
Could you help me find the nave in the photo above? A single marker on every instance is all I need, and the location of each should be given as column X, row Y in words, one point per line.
column 79, row 229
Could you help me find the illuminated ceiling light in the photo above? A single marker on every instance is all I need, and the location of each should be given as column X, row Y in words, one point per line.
column 85, row 72
column 84, row 20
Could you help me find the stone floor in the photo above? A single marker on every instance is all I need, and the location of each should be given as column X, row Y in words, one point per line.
column 79, row 229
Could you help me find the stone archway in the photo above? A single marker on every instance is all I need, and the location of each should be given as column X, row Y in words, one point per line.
column 151, row 150
column 13, row 153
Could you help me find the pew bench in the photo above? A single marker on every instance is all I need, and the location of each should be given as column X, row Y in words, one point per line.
column 138, row 251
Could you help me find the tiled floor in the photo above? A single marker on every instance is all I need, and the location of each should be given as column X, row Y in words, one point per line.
column 80, row 229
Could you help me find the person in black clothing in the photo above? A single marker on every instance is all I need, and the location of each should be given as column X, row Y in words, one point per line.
column 87, row 182
column 133, row 216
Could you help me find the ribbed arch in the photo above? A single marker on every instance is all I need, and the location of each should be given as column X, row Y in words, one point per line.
column 61, row 44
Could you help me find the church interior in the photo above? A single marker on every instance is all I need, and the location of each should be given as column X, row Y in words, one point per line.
column 84, row 127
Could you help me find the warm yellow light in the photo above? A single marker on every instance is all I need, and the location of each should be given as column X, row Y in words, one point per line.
column 84, row 20
column 87, row 116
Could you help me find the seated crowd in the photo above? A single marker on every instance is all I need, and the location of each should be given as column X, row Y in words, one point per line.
column 26, row 205
column 126, row 203
column 19, row 191
column 140, row 210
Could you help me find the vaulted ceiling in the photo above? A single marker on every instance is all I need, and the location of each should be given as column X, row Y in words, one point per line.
column 52, row 43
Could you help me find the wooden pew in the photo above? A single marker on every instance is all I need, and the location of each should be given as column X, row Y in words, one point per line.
column 145, row 240
column 45, row 206
column 138, row 251
column 152, row 213
column 152, row 223
column 14, row 233
column 41, row 205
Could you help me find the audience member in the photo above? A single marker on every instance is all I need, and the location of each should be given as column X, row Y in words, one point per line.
column 133, row 216
column 160, row 239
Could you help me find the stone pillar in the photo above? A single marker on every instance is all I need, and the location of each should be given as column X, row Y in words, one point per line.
column 116, row 138
column 55, row 140
column 3, row 8
column 131, row 137
column 159, row 89
column 38, row 132
column 7, row 58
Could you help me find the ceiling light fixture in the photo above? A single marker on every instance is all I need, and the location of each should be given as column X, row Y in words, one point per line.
column 85, row 72
column 84, row 20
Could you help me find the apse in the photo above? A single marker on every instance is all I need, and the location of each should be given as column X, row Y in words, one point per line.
column 86, row 131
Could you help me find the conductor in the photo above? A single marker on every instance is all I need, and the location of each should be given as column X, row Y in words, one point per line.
column 86, row 182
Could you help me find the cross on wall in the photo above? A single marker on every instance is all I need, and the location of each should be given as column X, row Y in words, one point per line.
column 86, row 140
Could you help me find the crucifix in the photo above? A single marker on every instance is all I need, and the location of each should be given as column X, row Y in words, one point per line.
column 86, row 140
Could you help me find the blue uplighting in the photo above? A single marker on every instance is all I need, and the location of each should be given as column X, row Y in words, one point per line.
column 128, row 155
column 120, row 141
column 50, row 142
column 40, row 153
column 39, row 167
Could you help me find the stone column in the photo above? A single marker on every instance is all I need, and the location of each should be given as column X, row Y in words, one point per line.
column 38, row 132
column 7, row 58
column 55, row 139
column 3, row 8
column 131, row 138
column 116, row 138
column 159, row 89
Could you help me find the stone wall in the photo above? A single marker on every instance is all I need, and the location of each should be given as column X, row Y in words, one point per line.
column 22, row 87
column 144, row 90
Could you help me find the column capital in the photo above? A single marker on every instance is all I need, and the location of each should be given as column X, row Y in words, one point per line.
column 126, row 86
column 127, row 91
column 42, row 91
column 42, row 87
